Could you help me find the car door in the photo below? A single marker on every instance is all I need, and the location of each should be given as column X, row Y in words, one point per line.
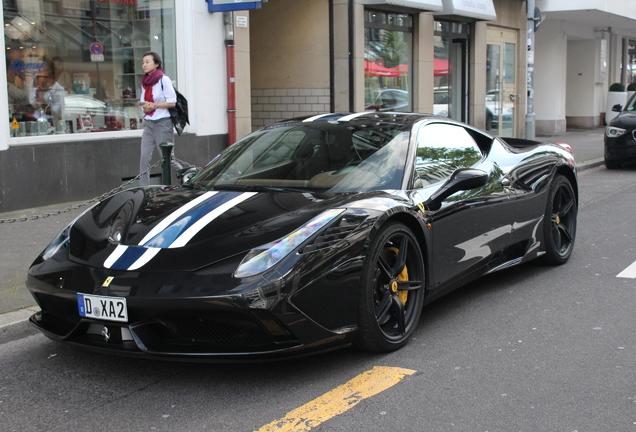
column 471, row 228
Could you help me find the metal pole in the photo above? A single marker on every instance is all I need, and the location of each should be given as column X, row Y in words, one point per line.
column 530, row 116
column 166, row 172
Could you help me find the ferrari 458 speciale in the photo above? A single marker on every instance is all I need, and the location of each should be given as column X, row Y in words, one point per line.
column 306, row 235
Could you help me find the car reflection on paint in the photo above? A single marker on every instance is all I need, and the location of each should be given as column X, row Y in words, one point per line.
column 307, row 235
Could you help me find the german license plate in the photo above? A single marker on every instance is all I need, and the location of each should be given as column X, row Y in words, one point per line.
column 102, row 307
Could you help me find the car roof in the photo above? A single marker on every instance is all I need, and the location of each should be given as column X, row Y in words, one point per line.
column 406, row 119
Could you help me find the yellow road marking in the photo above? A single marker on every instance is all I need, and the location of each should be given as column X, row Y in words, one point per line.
column 338, row 400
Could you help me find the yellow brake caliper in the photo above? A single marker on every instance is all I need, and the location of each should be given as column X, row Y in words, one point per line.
column 403, row 295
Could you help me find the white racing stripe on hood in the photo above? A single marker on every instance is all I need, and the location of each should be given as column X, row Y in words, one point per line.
column 121, row 258
column 184, row 238
column 174, row 216
column 117, row 253
column 147, row 256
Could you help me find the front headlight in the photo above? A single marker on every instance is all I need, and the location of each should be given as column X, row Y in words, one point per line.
column 62, row 238
column 614, row 132
column 264, row 257
column 57, row 243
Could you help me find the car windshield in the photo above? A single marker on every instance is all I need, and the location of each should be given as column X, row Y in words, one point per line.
column 312, row 156
column 631, row 104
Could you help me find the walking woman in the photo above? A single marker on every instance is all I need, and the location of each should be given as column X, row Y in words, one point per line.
column 157, row 95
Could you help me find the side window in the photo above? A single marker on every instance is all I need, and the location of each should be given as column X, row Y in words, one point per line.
column 441, row 149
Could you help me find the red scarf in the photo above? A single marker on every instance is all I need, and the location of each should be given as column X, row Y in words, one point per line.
column 149, row 80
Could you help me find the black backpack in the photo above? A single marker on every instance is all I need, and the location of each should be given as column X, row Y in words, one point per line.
column 179, row 112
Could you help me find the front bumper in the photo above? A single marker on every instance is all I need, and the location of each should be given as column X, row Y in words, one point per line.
column 185, row 337
column 621, row 149
column 194, row 317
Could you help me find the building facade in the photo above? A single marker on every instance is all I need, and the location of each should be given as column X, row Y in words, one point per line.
column 582, row 47
column 72, row 131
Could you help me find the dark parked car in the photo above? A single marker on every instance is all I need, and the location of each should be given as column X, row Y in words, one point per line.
column 620, row 141
column 307, row 235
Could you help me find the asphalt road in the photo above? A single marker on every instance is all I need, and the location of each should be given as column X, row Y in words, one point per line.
column 532, row 348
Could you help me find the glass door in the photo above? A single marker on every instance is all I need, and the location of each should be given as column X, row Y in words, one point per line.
column 451, row 70
column 388, row 46
column 501, row 82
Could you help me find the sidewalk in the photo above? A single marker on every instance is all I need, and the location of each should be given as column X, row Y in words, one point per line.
column 23, row 241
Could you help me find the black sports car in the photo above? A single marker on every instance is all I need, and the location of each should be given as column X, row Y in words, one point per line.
column 620, row 140
column 306, row 235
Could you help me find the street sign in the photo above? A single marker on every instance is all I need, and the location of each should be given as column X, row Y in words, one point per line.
column 97, row 52
column 538, row 18
column 232, row 5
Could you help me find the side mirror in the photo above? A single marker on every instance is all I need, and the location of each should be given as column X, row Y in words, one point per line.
column 617, row 108
column 461, row 179
column 185, row 174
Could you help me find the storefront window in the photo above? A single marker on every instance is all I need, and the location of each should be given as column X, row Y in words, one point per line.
column 388, row 51
column 450, row 69
column 74, row 66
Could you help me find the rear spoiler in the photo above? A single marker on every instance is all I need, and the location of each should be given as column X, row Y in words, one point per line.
column 524, row 143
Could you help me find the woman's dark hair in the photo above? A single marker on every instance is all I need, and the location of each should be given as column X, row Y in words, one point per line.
column 155, row 57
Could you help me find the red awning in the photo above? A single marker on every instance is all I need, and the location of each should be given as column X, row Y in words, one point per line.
column 402, row 69
column 440, row 67
column 372, row 69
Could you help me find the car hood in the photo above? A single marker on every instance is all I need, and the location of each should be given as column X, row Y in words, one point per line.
column 178, row 229
column 626, row 119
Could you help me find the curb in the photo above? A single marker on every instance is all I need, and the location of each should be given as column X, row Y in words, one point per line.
column 10, row 318
column 594, row 163
column 15, row 325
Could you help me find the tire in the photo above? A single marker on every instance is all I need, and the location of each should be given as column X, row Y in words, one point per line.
column 559, row 227
column 610, row 165
column 391, row 291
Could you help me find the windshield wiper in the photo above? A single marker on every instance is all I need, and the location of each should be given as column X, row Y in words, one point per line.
column 195, row 186
column 257, row 188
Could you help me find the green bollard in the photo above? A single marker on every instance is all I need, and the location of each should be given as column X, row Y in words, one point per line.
column 166, row 149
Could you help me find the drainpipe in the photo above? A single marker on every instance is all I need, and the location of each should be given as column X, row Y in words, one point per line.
column 530, row 115
column 351, row 22
column 228, row 20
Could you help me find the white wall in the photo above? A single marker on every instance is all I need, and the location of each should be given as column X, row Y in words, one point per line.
column 623, row 8
column 550, row 71
column 582, row 96
column 201, row 67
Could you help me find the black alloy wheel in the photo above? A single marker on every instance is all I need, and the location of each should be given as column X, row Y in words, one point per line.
column 559, row 226
column 392, row 290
